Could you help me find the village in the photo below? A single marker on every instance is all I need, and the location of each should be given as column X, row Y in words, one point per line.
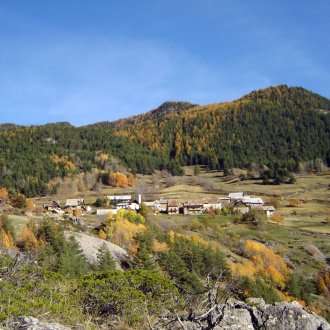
column 238, row 203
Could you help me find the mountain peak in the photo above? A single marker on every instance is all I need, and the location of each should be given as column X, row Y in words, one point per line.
column 282, row 93
column 164, row 109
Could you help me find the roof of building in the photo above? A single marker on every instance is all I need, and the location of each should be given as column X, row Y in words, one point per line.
column 252, row 200
column 74, row 202
column 236, row 195
column 268, row 208
column 240, row 204
column 172, row 203
column 197, row 203
column 213, row 201
column 120, row 198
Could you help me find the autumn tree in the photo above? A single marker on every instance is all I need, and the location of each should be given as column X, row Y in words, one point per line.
column 262, row 260
column 18, row 200
column 6, row 240
column 3, row 194
column 27, row 238
column 323, row 284
column 30, row 205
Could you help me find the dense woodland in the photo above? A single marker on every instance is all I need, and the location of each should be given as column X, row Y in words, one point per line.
column 32, row 156
column 277, row 128
column 278, row 125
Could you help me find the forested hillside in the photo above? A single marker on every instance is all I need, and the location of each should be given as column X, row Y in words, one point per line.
column 31, row 156
column 278, row 125
column 277, row 128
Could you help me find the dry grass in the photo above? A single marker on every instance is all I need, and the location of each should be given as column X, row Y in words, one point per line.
column 18, row 222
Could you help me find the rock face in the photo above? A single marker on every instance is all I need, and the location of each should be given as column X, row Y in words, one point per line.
column 236, row 315
column 255, row 314
column 32, row 323
column 282, row 315
column 90, row 246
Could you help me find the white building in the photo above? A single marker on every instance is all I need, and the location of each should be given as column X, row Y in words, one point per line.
column 253, row 201
column 106, row 211
column 235, row 197
column 270, row 210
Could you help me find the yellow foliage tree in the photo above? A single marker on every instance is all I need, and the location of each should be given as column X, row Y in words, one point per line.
column 70, row 166
column 125, row 231
column 277, row 277
column 6, row 240
column 27, row 238
column 30, row 205
column 159, row 247
column 263, row 261
column 245, row 269
column 198, row 240
column 123, row 227
column 268, row 256
column 102, row 234
column 323, row 284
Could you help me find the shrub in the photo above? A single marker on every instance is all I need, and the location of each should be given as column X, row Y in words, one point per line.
column 277, row 217
column 293, row 203
column 128, row 295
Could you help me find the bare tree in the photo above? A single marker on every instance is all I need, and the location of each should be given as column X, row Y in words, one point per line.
column 206, row 308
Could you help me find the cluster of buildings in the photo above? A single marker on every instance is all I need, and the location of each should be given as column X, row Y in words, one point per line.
column 78, row 206
column 120, row 202
column 238, row 202
column 71, row 206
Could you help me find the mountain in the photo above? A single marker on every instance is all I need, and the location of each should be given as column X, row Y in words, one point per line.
column 7, row 126
column 164, row 109
column 278, row 127
column 274, row 125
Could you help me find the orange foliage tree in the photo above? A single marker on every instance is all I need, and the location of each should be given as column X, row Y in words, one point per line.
column 117, row 180
column 30, row 205
column 3, row 193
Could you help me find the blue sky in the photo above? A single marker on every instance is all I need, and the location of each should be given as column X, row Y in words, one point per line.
column 93, row 60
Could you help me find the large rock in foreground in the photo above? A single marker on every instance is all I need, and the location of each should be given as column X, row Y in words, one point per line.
column 255, row 314
column 234, row 315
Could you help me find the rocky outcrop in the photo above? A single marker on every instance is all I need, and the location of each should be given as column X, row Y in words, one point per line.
column 253, row 315
column 32, row 323
column 234, row 315
column 90, row 246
